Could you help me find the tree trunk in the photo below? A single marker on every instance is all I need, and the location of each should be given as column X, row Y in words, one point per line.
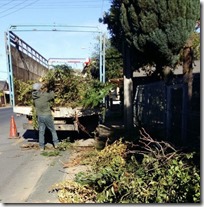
column 188, row 61
column 128, row 94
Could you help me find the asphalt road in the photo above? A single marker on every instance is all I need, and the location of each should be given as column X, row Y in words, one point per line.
column 26, row 175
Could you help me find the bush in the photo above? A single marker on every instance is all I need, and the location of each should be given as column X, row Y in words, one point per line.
column 156, row 173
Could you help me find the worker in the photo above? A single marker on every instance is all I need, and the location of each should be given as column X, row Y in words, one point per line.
column 42, row 100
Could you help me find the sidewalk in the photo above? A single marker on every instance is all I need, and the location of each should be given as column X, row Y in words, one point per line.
column 56, row 173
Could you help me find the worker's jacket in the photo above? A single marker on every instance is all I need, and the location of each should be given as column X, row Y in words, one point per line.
column 42, row 102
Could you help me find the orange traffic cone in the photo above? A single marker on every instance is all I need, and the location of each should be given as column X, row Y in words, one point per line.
column 13, row 130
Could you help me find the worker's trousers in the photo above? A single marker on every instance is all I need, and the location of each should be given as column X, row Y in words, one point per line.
column 43, row 122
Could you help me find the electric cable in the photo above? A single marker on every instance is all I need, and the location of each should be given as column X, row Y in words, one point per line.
column 2, row 5
column 54, row 5
column 13, row 6
column 19, row 9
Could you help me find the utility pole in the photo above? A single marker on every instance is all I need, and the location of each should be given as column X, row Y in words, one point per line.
column 102, row 59
column 128, row 91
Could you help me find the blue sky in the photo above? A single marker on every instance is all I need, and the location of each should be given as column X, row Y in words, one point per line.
column 52, row 12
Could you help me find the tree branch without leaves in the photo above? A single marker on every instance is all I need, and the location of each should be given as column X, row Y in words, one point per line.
column 147, row 145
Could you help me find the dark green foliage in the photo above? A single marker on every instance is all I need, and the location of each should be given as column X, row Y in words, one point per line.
column 154, row 30
column 22, row 92
column 94, row 94
column 71, row 89
column 156, row 173
column 114, row 62
column 66, row 84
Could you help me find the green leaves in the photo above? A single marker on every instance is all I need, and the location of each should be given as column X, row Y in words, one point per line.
column 162, row 176
column 152, row 180
column 71, row 89
column 22, row 92
column 155, row 31
column 95, row 93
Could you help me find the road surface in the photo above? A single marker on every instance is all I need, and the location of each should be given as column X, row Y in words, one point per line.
column 26, row 175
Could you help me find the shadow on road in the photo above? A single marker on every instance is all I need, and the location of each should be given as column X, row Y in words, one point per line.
column 32, row 136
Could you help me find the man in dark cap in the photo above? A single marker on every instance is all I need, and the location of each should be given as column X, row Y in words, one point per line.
column 42, row 100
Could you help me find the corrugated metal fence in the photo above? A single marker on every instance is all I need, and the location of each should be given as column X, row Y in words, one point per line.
column 165, row 112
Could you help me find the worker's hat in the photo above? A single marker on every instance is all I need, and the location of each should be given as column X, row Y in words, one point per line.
column 37, row 86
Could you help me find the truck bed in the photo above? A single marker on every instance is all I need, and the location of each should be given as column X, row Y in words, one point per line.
column 59, row 112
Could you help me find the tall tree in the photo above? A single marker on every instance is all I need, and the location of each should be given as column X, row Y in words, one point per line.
column 154, row 30
column 149, row 32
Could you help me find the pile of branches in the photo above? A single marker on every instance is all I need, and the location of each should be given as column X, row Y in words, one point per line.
column 71, row 88
column 148, row 172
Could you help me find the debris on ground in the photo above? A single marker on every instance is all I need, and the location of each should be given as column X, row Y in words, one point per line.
column 78, row 156
column 29, row 146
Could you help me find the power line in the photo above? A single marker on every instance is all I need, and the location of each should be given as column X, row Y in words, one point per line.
column 19, row 9
column 2, row 5
column 67, row 7
column 80, row 4
column 55, row 3
column 65, row 3
column 13, row 6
